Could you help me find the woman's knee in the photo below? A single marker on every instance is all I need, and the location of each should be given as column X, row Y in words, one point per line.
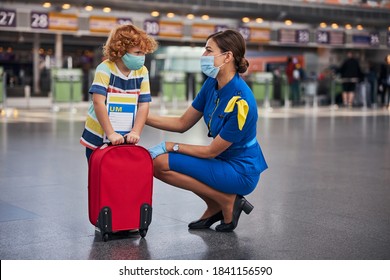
column 160, row 165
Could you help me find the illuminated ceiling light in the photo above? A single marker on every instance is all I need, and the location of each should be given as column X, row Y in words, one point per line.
column 107, row 9
column 288, row 22
column 259, row 20
column 88, row 8
column 155, row 14
column 66, row 6
column 170, row 15
column 205, row 17
column 245, row 19
column 190, row 16
column 335, row 25
column 359, row 27
column 323, row 25
column 46, row 5
column 348, row 26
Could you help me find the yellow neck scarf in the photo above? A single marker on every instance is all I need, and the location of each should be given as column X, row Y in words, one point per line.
column 242, row 108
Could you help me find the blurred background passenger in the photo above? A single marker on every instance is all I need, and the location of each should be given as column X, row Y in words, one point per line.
column 351, row 74
column 384, row 83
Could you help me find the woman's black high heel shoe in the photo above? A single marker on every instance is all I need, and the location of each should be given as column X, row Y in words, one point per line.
column 207, row 222
column 240, row 204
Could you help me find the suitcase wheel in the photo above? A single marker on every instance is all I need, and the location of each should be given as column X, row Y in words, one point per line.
column 105, row 237
column 143, row 232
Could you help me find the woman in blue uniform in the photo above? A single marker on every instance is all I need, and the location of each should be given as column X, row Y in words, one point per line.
column 222, row 172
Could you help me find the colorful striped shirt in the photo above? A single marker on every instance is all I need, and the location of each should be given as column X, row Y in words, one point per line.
column 108, row 78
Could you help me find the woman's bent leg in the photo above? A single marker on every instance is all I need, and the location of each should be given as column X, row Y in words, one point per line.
column 215, row 200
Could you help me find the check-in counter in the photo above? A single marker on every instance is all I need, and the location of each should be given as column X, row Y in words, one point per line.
column 173, row 86
column 199, row 80
column 67, row 85
column 262, row 86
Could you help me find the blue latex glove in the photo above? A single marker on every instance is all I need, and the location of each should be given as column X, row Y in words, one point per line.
column 157, row 150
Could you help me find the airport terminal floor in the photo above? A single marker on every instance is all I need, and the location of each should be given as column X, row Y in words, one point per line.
column 325, row 194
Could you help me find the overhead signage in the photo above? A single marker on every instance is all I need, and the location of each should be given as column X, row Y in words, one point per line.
column 293, row 36
column 245, row 32
column 327, row 37
column 337, row 38
column 302, row 36
column 374, row 39
column 286, row 36
column 152, row 27
column 7, row 18
column 365, row 39
column 106, row 24
column 102, row 24
column 202, row 31
column 220, row 27
column 171, row 29
column 122, row 21
column 59, row 21
column 39, row 20
column 53, row 21
column 260, row 35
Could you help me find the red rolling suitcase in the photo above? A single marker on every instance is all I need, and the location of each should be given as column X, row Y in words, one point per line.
column 120, row 187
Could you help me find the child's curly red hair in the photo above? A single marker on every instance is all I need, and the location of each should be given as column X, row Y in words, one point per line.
column 123, row 37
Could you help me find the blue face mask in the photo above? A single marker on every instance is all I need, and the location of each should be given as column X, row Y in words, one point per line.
column 207, row 66
column 133, row 62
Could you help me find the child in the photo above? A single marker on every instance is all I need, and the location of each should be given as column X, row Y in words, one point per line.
column 123, row 72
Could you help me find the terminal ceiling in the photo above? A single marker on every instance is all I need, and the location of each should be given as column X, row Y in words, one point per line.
column 298, row 11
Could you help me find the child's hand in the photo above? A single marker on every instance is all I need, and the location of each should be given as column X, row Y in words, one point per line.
column 116, row 139
column 132, row 137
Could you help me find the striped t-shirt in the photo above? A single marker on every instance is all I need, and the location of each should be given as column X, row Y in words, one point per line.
column 108, row 78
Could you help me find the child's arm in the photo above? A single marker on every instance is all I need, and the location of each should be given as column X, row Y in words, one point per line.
column 142, row 113
column 102, row 116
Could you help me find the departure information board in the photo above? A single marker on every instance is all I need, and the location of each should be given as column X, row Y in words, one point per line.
column 202, row 31
column 328, row 37
column 171, row 29
column 366, row 39
column 294, row 36
column 54, row 21
column 104, row 24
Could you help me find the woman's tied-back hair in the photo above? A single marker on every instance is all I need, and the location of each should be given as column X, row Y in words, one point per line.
column 123, row 37
column 231, row 40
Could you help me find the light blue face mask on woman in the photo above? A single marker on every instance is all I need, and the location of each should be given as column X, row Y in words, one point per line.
column 133, row 62
column 207, row 65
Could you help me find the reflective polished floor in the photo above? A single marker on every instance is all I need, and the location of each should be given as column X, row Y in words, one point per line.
column 326, row 194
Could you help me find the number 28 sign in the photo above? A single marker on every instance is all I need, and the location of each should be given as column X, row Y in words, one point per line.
column 39, row 20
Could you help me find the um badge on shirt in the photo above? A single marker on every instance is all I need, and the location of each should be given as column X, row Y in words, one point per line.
column 121, row 110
